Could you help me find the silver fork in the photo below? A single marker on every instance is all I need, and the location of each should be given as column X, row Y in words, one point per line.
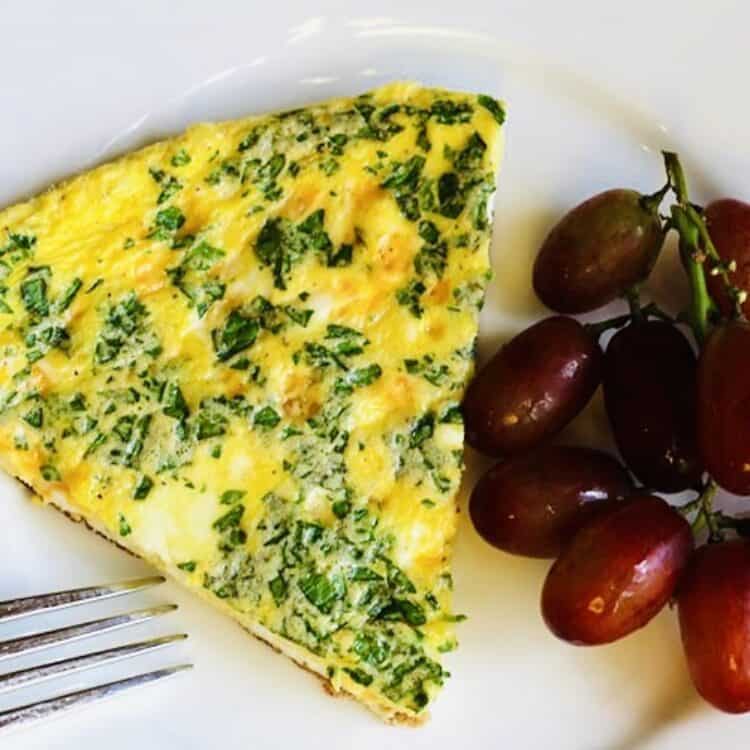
column 26, row 644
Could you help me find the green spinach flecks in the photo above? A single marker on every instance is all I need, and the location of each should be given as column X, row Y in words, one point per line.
column 180, row 158
column 357, row 378
column 126, row 337
column 167, row 222
column 410, row 297
column 403, row 182
column 281, row 245
column 193, row 276
column 450, row 112
column 238, row 333
column 64, row 301
column 228, row 170
column 266, row 417
column 174, row 404
column 493, row 106
column 18, row 248
column 435, row 373
column 123, row 526
column 143, row 486
column 229, row 497
column 33, row 291
column 276, row 248
column 45, row 330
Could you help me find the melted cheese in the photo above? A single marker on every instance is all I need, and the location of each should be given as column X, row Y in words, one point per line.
column 239, row 352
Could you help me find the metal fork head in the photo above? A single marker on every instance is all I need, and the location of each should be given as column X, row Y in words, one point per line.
column 36, row 641
column 30, row 605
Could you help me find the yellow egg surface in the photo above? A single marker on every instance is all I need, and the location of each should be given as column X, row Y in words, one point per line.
column 240, row 353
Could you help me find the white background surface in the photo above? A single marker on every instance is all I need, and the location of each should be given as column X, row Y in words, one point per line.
column 592, row 89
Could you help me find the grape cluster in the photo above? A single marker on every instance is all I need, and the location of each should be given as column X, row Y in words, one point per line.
column 677, row 395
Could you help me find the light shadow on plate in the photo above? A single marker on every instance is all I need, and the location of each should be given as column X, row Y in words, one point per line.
column 514, row 247
column 671, row 710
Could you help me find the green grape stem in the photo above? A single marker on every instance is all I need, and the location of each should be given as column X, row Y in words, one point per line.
column 676, row 176
column 651, row 310
column 699, row 256
column 714, row 521
column 633, row 296
column 701, row 309
column 652, row 202
column 697, row 252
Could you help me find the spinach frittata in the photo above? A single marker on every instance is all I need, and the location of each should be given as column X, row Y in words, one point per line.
column 240, row 353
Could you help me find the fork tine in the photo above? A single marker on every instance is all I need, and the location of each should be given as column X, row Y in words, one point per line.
column 13, row 608
column 34, row 675
column 35, row 712
column 37, row 641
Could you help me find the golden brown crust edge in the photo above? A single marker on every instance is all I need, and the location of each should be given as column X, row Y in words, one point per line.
column 385, row 710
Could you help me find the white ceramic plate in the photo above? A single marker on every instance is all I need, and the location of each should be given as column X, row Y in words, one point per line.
column 593, row 92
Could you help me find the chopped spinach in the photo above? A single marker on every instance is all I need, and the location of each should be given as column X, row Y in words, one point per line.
column 450, row 197
column 50, row 473
column 169, row 187
column 34, row 417
column 493, row 107
column 142, row 487
column 210, row 424
column 229, row 497
column 266, row 417
column 432, row 259
column 448, row 112
column 180, row 158
column 166, row 223
column 64, row 301
column 422, row 430
column 231, row 519
column 239, row 333
column 359, row 676
column 34, row 291
column 125, row 334
column 451, row 415
column 279, row 589
column 357, row 378
column 411, row 296
column 322, row 591
column 435, row 373
column 124, row 527
column 175, row 405
column 405, row 174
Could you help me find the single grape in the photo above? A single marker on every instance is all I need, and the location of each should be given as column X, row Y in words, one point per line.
column 728, row 223
column 597, row 251
column 649, row 392
column 617, row 572
column 724, row 406
column 533, row 503
column 714, row 608
column 532, row 387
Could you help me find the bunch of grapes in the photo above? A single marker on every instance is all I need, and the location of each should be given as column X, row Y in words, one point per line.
column 680, row 419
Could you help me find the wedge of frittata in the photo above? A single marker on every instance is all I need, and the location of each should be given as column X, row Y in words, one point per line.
column 240, row 352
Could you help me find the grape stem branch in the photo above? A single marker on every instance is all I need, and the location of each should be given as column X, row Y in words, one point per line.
column 697, row 252
column 699, row 256
column 651, row 310
column 706, row 517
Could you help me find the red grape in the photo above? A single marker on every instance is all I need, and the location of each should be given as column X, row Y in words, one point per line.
column 724, row 406
column 728, row 223
column 714, row 609
column 597, row 251
column 649, row 393
column 531, row 504
column 618, row 571
column 532, row 387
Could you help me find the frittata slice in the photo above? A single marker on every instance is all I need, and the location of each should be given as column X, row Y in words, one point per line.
column 240, row 352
